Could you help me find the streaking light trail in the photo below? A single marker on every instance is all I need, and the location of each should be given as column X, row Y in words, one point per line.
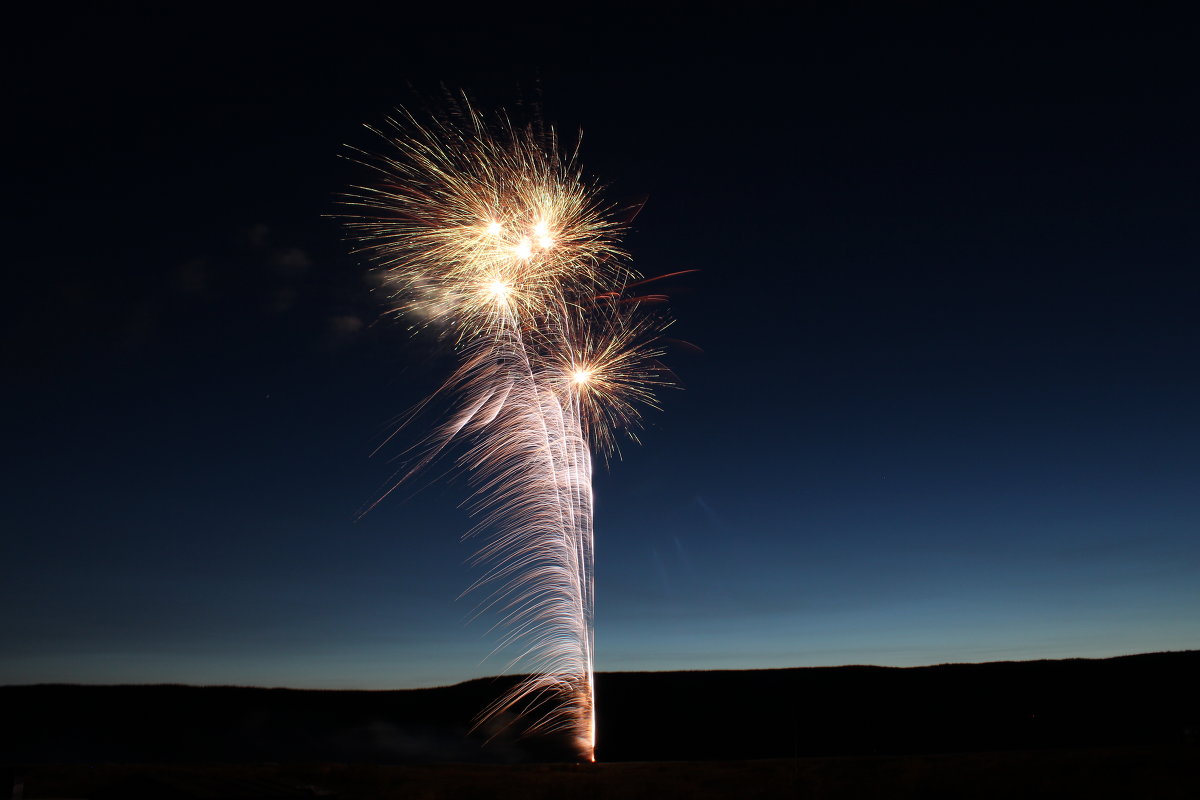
column 490, row 232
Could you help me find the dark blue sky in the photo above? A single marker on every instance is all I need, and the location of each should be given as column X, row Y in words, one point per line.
column 945, row 407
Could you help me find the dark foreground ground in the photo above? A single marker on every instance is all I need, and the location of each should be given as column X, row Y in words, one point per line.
column 1125, row 727
column 1131, row 772
column 1146, row 700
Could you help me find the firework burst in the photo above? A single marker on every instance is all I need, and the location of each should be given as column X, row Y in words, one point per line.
column 491, row 233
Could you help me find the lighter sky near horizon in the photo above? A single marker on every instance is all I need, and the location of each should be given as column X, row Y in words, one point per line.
column 940, row 407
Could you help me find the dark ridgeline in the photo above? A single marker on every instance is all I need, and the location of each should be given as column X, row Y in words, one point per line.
column 863, row 710
column 655, row 716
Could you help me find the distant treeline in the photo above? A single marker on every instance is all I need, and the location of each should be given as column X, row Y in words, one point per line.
column 651, row 716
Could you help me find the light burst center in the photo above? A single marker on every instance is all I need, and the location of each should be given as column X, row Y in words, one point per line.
column 499, row 291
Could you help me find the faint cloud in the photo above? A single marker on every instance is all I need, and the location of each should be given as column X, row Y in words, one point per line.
column 340, row 329
column 138, row 328
column 290, row 261
column 281, row 299
column 345, row 324
column 708, row 512
column 192, row 278
column 258, row 234
column 375, row 278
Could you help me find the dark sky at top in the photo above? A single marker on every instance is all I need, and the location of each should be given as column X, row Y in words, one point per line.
column 944, row 408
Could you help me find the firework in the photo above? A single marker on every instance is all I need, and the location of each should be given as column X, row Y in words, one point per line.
column 491, row 233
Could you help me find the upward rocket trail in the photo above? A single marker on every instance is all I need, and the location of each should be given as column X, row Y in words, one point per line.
column 490, row 233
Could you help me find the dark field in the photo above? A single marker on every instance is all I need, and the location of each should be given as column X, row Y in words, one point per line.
column 1119, row 727
column 1151, row 699
column 1163, row 772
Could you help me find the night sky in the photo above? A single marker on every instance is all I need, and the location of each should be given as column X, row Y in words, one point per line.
column 942, row 404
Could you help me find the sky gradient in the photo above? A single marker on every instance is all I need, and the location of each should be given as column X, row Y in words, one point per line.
column 941, row 404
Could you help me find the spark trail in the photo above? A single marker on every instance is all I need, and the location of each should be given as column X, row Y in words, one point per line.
column 490, row 233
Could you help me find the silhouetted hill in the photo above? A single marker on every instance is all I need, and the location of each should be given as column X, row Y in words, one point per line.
column 1142, row 699
column 853, row 710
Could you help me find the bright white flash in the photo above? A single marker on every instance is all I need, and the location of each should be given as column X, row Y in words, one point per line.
column 499, row 290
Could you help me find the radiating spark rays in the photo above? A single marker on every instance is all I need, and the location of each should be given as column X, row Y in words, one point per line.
column 491, row 232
